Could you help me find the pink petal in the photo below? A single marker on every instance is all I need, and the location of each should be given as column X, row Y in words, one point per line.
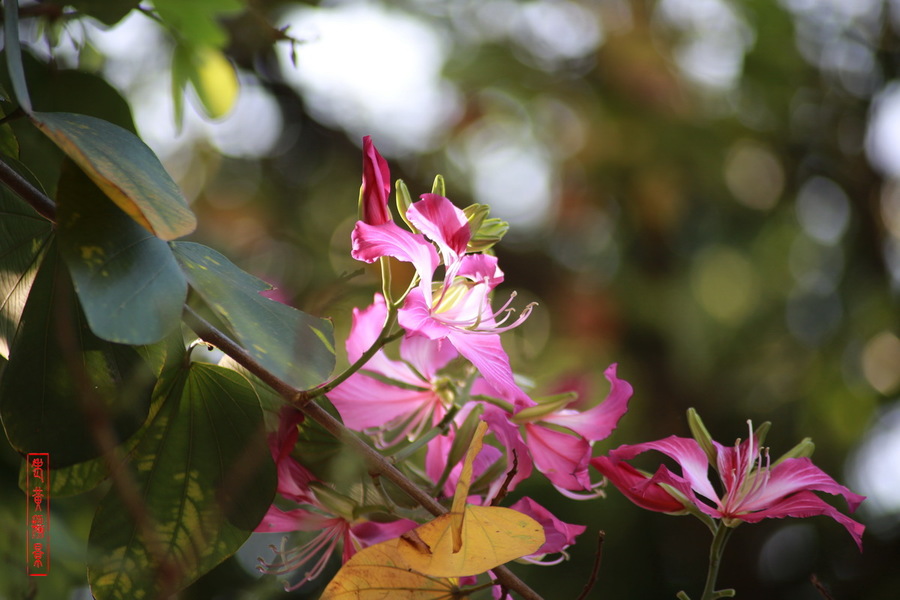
column 442, row 223
column 298, row 519
column 366, row 327
column 636, row 486
column 598, row 422
column 558, row 535
column 486, row 352
column 561, row 457
column 371, row 242
column 427, row 356
column 366, row 403
column 370, row 533
column 795, row 475
column 376, row 185
column 686, row 452
column 509, row 437
column 807, row 504
column 415, row 316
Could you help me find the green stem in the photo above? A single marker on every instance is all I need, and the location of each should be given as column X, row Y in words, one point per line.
column 439, row 429
column 716, row 550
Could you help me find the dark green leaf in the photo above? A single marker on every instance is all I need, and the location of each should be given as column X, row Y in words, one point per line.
column 124, row 168
column 63, row 387
column 203, row 479
column 13, row 52
column 9, row 145
column 295, row 346
column 129, row 283
column 109, row 12
column 23, row 235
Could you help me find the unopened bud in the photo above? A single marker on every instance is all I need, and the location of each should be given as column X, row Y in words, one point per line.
column 404, row 201
column 438, row 186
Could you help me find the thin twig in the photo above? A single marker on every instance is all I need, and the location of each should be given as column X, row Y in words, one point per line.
column 601, row 535
column 814, row 579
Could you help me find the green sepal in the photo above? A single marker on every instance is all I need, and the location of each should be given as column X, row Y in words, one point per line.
column 438, row 186
column 804, row 449
column 544, row 407
column 701, row 435
column 404, row 201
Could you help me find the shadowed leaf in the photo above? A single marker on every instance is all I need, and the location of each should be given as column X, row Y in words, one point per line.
column 295, row 346
column 201, row 479
column 127, row 279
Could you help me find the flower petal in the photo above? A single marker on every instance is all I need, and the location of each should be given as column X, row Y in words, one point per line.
column 637, row 486
column 442, row 223
column 598, row 422
column 795, row 475
column 371, row 242
column 485, row 351
column 807, row 504
column 558, row 535
column 686, row 452
column 561, row 457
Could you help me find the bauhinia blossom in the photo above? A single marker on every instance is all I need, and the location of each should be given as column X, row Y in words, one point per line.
column 456, row 307
column 406, row 395
column 559, row 439
column 750, row 488
column 376, row 186
column 296, row 483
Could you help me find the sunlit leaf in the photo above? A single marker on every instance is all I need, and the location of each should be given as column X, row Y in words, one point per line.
column 379, row 572
column 23, row 235
column 64, row 386
column 129, row 283
column 470, row 539
column 295, row 346
column 210, row 74
column 202, row 479
column 491, row 536
column 124, row 168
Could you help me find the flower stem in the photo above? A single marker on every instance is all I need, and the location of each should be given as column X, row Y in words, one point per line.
column 716, row 550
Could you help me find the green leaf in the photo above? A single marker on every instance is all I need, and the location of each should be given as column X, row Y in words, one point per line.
column 9, row 145
column 293, row 345
column 203, row 479
column 197, row 20
column 124, row 168
column 129, row 283
column 64, row 387
column 13, row 52
column 23, row 236
column 108, row 12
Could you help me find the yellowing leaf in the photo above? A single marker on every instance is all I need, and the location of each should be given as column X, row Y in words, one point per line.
column 491, row 536
column 215, row 82
column 380, row 573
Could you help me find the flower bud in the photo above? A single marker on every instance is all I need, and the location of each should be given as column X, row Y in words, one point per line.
column 438, row 186
column 404, row 201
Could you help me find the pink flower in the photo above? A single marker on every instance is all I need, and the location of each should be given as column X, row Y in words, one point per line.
column 386, row 395
column 457, row 309
column 297, row 483
column 376, row 186
column 752, row 488
column 559, row 439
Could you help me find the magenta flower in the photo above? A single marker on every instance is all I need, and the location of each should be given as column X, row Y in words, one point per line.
column 558, row 439
column 388, row 395
column 376, row 186
column 751, row 488
column 458, row 308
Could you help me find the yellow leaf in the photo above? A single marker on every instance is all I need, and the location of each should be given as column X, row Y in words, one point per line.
column 215, row 82
column 380, row 573
column 491, row 536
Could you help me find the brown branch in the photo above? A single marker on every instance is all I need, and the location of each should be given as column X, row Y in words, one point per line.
column 598, row 556
column 30, row 194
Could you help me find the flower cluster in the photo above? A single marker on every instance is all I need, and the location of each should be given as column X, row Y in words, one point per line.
column 451, row 371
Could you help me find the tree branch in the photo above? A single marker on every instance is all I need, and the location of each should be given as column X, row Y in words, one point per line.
column 30, row 194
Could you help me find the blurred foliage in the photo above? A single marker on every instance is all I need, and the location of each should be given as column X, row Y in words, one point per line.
column 718, row 228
